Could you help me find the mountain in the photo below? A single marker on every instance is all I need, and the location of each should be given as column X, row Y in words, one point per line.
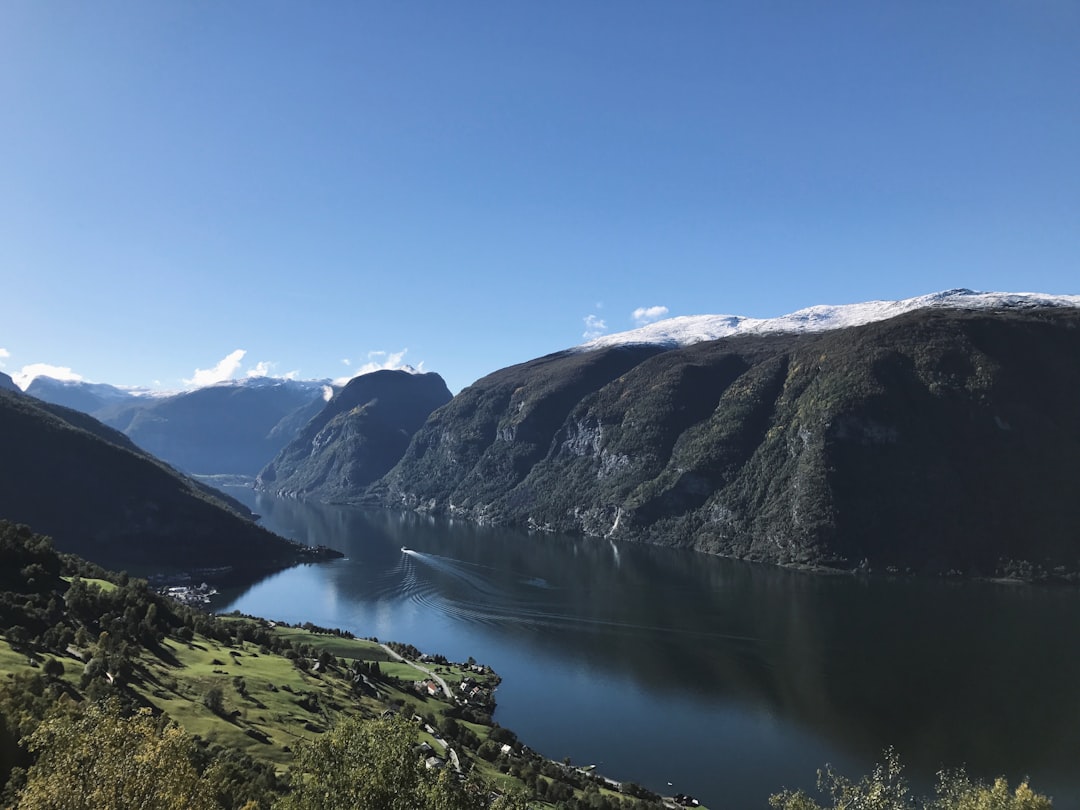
column 942, row 438
column 102, row 497
column 357, row 437
column 91, row 398
column 230, row 428
column 6, row 383
column 687, row 330
column 233, row 427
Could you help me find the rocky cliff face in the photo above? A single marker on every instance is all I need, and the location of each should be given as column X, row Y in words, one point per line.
column 937, row 440
column 356, row 438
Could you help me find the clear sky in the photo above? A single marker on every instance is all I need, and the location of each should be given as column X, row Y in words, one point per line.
column 470, row 185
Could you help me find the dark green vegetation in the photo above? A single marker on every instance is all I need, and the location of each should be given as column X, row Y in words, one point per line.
column 360, row 434
column 938, row 441
column 101, row 678
column 231, row 428
column 887, row 789
column 98, row 495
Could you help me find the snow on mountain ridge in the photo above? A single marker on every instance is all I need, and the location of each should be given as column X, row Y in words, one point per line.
column 689, row 329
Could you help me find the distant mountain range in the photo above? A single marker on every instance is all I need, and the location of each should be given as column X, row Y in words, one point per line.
column 98, row 495
column 230, row 428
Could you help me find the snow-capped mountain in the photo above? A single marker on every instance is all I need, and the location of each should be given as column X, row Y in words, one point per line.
column 942, row 439
column 690, row 329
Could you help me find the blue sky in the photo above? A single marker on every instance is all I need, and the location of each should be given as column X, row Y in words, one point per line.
column 463, row 185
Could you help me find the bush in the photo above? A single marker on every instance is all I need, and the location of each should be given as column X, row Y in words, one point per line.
column 887, row 789
column 214, row 700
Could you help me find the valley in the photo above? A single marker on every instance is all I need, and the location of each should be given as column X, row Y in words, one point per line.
column 853, row 478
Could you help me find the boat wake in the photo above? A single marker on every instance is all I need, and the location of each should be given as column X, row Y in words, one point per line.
column 481, row 594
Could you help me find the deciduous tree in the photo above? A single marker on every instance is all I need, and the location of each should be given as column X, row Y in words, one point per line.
column 92, row 757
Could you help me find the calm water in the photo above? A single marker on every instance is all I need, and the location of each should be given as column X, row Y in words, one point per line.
column 726, row 679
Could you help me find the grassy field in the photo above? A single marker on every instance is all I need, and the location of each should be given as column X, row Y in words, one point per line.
column 268, row 703
column 265, row 703
column 104, row 584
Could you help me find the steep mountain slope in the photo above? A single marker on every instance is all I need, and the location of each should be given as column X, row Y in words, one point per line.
column 229, row 428
column 100, row 496
column 357, row 437
column 6, row 383
column 944, row 438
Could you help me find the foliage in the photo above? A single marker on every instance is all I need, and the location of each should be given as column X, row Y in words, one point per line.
column 957, row 792
column 94, row 757
column 886, row 789
column 368, row 764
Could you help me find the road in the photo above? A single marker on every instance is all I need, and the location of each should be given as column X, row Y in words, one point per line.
column 450, row 752
column 445, row 686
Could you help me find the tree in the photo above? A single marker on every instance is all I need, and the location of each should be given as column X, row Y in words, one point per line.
column 369, row 765
column 54, row 667
column 886, row 789
column 93, row 757
column 214, row 700
column 958, row 792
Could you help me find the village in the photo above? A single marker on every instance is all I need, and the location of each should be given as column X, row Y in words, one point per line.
column 475, row 693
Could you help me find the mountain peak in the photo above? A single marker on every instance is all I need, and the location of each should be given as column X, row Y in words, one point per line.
column 689, row 329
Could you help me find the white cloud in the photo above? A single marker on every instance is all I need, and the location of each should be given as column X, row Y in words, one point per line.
column 260, row 369
column 378, row 361
column 594, row 327
column 266, row 369
column 644, row 315
column 4, row 354
column 26, row 375
column 224, row 370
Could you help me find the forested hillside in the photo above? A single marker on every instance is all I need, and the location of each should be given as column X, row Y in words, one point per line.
column 98, row 495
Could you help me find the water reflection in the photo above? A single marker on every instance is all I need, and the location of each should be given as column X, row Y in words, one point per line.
column 752, row 675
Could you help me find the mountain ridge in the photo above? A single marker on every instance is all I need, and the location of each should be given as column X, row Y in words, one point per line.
column 930, row 441
column 688, row 329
